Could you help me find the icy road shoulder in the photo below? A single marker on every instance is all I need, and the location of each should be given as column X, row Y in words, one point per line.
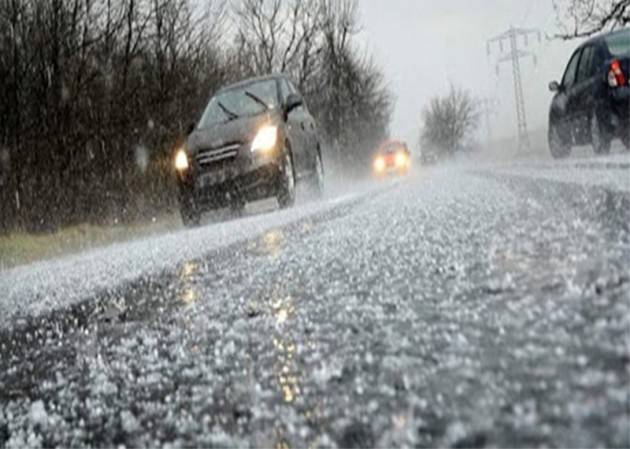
column 36, row 289
column 611, row 172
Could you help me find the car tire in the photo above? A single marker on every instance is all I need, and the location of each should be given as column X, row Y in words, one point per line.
column 319, row 177
column 191, row 216
column 600, row 139
column 558, row 144
column 287, row 181
column 237, row 209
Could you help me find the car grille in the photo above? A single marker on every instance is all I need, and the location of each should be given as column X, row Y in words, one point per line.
column 206, row 158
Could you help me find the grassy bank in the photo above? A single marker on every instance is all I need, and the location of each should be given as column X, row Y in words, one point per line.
column 21, row 248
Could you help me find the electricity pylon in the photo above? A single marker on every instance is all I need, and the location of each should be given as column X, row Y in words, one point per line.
column 514, row 56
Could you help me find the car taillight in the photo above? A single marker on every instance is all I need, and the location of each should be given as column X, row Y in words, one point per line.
column 616, row 77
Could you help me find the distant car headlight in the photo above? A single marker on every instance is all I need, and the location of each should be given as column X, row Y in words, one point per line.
column 379, row 164
column 401, row 159
column 181, row 160
column 266, row 139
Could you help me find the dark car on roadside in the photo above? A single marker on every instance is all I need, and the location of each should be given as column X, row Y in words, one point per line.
column 255, row 140
column 591, row 104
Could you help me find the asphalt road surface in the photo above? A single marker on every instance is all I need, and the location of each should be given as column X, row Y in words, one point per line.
column 472, row 305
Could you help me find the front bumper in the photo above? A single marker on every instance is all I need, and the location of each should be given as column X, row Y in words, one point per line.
column 237, row 181
column 391, row 171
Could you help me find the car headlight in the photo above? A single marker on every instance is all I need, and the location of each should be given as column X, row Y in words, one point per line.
column 401, row 160
column 181, row 160
column 266, row 139
column 379, row 164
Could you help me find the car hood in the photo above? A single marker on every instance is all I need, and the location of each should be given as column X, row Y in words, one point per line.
column 242, row 130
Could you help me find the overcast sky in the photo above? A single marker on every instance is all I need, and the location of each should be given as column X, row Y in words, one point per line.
column 422, row 45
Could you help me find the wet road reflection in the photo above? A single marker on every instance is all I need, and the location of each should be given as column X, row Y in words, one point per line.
column 188, row 293
column 270, row 244
column 273, row 242
column 286, row 368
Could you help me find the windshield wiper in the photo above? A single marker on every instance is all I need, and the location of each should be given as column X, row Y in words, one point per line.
column 231, row 115
column 257, row 100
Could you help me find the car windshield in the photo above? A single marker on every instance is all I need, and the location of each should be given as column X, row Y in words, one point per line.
column 619, row 43
column 393, row 147
column 244, row 101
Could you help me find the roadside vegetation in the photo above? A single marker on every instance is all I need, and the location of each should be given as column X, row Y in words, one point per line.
column 95, row 95
column 20, row 247
column 448, row 124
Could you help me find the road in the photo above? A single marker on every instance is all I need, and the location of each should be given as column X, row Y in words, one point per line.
column 471, row 305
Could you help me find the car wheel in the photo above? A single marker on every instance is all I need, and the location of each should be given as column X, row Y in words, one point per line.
column 318, row 180
column 287, row 188
column 191, row 216
column 558, row 145
column 599, row 137
column 237, row 209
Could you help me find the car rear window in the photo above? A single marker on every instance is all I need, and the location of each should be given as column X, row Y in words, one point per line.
column 619, row 44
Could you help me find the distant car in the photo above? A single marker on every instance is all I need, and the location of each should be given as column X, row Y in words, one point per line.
column 393, row 157
column 255, row 140
column 591, row 105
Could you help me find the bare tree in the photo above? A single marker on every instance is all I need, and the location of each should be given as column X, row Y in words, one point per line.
column 582, row 18
column 278, row 36
column 352, row 100
column 313, row 41
column 448, row 121
column 86, row 84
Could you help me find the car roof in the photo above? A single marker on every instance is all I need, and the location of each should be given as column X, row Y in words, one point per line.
column 600, row 38
column 249, row 81
column 388, row 144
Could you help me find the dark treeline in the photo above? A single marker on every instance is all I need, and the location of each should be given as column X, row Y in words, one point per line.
column 95, row 94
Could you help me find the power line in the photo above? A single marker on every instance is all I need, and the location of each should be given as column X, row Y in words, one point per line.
column 511, row 37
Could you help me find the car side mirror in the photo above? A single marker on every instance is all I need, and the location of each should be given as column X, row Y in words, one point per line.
column 554, row 86
column 293, row 101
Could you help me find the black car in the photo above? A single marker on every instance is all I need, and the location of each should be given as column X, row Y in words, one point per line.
column 591, row 105
column 255, row 140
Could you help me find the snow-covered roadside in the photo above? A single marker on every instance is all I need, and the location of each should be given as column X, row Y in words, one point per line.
column 615, row 180
column 610, row 172
column 42, row 287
